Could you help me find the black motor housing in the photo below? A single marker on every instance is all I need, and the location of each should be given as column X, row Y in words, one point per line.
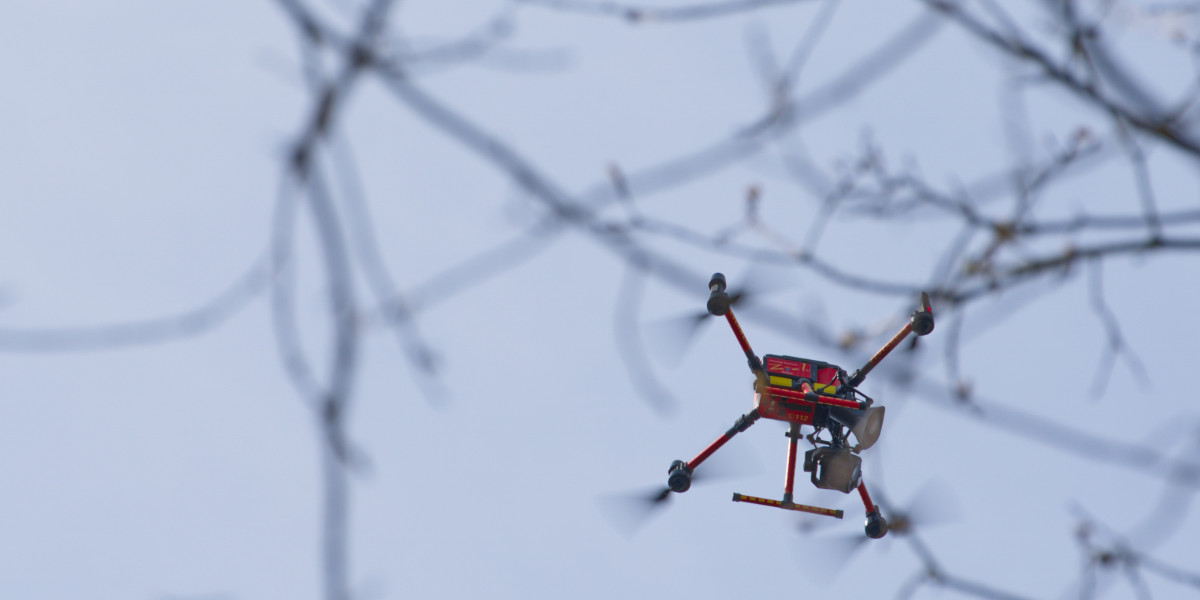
column 718, row 300
column 876, row 526
column 679, row 477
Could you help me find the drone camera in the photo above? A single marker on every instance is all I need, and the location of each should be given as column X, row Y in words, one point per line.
column 833, row 468
column 679, row 477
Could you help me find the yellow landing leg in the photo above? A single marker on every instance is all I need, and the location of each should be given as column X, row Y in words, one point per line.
column 816, row 510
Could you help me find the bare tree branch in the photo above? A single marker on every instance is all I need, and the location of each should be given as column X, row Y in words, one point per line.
column 196, row 321
column 641, row 15
column 1148, row 122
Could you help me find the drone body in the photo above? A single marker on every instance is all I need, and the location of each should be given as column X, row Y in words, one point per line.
column 808, row 392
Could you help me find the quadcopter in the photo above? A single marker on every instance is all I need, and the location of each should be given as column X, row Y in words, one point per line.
column 800, row 392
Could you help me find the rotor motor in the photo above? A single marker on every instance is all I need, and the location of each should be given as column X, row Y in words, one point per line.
column 718, row 300
column 679, row 477
column 876, row 526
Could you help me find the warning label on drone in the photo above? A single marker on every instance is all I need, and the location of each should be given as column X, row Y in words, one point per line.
column 784, row 366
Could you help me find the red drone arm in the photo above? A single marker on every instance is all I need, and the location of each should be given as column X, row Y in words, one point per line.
column 921, row 323
column 719, row 304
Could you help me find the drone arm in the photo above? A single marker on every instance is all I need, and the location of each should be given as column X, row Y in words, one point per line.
column 920, row 322
column 861, row 374
column 866, row 498
column 719, row 304
column 751, row 358
column 743, row 423
column 876, row 525
column 679, row 475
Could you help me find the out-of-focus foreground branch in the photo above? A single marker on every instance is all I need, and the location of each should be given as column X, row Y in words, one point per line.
column 996, row 234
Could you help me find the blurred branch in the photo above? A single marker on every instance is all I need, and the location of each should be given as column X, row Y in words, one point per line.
column 641, row 14
column 1143, row 459
column 335, row 395
column 1035, row 427
column 1062, row 260
column 197, row 321
column 561, row 204
column 394, row 313
column 1168, row 571
column 472, row 272
column 675, row 172
column 1117, row 345
column 630, row 347
column 972, row 588
column 283, row 300
column 781, row 257
column 471, row 46
column 671, row 173
column 1105, row 550
column 987, row 256
column 1163, row 128
column 930, row 504
column 851, row 81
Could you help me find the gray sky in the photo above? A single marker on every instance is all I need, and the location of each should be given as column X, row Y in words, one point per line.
column 143, row 145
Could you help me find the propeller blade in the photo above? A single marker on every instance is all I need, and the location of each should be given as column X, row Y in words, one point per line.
column 825, row 557
column 933, row 504
column 671, row 337
column 757, row 281
column 629, row 512
column 808, row 525
column 732, row 462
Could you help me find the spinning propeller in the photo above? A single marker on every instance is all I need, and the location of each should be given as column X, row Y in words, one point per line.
column 934, row 504
column 672, row 336
column 628, row 512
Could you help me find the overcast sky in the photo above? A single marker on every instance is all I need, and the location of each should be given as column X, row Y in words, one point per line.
column 143, row 145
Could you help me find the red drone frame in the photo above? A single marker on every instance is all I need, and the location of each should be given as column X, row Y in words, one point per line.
column 800, row 392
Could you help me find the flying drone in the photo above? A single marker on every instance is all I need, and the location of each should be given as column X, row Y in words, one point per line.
column 800, row 391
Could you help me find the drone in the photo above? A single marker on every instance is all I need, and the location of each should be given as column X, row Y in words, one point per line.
column 800, row 392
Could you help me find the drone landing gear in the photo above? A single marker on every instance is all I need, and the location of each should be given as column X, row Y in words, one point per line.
column 793, row 435
column 788, row 505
